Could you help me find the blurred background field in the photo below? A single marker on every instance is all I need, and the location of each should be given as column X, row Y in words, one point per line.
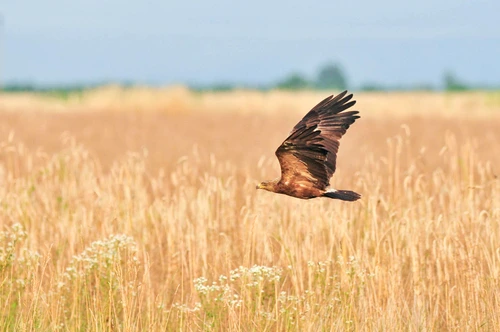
column 241, row 125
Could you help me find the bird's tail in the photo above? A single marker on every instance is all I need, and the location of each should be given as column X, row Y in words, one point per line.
column 345, row 195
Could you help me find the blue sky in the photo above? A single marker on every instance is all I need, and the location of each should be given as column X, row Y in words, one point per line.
column 164, row 42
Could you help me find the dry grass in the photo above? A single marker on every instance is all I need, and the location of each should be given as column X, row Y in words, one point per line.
column 140, row 220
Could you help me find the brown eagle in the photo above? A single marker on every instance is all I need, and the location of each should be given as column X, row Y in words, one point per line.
column 308, row 156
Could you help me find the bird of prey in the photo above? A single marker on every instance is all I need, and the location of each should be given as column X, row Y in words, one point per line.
column 308, row 156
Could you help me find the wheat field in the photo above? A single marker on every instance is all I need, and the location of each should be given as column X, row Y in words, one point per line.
column 136, row 210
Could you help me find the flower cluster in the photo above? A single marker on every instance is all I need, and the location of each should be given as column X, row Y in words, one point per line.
column 16, row 260
column 101, row 257
column 265, row 292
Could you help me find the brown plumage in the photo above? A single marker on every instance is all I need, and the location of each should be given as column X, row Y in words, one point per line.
column 308, row 156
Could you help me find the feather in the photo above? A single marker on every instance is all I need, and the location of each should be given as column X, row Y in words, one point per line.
column 308, row 155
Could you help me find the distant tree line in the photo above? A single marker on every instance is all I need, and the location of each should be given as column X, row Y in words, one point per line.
column 330, row 76
column 56, row 90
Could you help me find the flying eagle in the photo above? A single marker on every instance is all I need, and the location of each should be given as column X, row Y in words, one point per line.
column 308, row 156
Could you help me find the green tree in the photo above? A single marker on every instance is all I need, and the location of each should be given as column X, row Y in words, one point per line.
column 452, row 83
column 331, row 76
column 294, row 81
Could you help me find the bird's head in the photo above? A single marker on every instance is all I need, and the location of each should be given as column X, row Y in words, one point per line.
column 267, row 185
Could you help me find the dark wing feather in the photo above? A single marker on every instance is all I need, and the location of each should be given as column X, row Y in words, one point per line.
column 309, row 153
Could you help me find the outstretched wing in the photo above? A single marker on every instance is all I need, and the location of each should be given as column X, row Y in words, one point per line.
column 309, row 154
